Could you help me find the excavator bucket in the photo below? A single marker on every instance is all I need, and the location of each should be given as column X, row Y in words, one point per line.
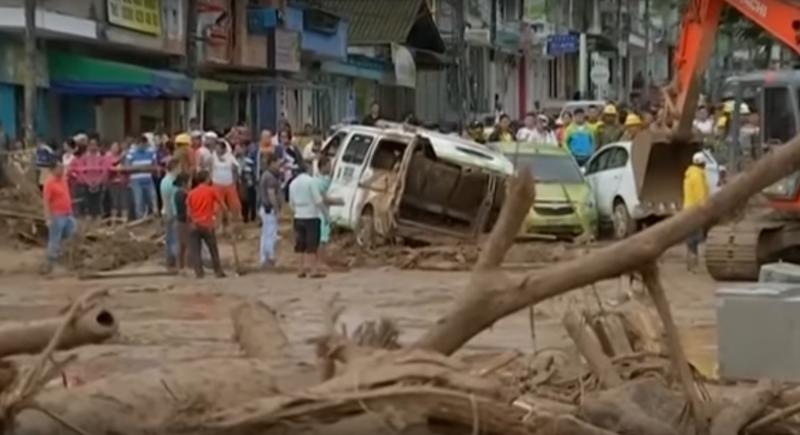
column 659, row 161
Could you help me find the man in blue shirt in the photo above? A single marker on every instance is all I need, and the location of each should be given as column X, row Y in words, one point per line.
column 580, row 138
column 141, row 164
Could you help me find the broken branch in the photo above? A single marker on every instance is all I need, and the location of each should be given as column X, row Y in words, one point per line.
column 679, row 360
column 480, row 310
column 589, row 346
column 521, row 195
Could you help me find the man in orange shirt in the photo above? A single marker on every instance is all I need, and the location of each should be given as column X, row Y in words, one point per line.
column 201, row 208
column 58, row 213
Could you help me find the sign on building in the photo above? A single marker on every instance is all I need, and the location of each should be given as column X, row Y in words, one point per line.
column 405, row 70
column 214, row 27
column 561, row 44
column 140, row 15
column 285, row 51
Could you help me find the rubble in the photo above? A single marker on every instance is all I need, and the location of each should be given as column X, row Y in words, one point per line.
column 624, row 387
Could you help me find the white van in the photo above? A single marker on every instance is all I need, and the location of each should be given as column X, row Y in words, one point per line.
column 412, row 183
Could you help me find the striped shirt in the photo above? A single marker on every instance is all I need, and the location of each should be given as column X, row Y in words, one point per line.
column 141, row 158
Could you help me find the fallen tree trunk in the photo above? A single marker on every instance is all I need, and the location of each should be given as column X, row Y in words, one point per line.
column 94, row 326
column 256, row 328
column 147, row 402
column 479, row 309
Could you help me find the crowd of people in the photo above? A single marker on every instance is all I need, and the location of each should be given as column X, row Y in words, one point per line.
column 196, row 181
column 585, row 130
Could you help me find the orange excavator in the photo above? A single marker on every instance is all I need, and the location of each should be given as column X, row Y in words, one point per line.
column 769, row 230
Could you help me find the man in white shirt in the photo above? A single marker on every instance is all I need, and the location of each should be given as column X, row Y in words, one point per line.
column 703, row 122
column 535, row 131
column 224, row 178
column 308, row 205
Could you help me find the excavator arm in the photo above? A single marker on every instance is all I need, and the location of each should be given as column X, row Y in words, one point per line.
column 780, row 18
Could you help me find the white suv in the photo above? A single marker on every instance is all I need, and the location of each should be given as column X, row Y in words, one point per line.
column 611, row 177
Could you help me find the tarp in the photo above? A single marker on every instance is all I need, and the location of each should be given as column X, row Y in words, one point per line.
column 81, row 75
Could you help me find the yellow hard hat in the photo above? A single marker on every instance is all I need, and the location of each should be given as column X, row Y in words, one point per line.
column 727, row 107
column 633, row 120
column 183, row 139
column 610, row 109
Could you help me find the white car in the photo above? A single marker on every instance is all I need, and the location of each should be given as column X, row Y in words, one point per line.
column 610, row 174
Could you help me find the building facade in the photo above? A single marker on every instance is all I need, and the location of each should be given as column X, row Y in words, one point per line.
column 102, row 65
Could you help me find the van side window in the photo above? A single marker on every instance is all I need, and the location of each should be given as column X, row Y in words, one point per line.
column 357, row 149
column 388, row 154
column 334, row 143
column 779, row 125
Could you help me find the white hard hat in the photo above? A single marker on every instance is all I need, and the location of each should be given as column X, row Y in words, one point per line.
column 698, row 158
column 210, row 135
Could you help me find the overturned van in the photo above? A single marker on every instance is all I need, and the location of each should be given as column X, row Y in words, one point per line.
column 415, row 184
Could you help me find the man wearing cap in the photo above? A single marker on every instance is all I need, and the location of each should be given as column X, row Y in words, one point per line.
column 609, row 131
column 695, row 193
column 183, row 154
column 633, row 125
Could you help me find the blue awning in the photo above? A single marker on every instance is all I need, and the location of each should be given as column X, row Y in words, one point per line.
column 80, row 75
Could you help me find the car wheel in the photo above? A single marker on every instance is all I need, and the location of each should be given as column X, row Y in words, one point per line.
column 365, row 232
column 623, row 224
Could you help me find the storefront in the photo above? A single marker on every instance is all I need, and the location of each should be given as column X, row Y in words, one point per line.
column 114, row 98
column 12, row 78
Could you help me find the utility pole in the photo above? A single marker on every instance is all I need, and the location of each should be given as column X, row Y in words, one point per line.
column 195, row 108
column 647, row 52
column 461, row 59
column 32, row 76
column 622, row 44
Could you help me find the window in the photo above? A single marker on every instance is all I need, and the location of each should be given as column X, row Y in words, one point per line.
column 600, row 161
column 618, row 158
column 388, row 154
column 357, row 149
column 334, row 143
column 778, row 116
column 549, row 168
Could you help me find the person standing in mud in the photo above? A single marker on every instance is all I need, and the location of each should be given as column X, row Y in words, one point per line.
column 57, row 204
column 201, row 204
column 181, row 192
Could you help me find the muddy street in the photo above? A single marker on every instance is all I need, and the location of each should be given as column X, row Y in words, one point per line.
column 167, row 319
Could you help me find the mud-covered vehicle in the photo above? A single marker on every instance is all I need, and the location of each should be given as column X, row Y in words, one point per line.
column 415, row 184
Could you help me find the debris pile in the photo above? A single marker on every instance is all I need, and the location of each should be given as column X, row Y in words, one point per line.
column 626, row 386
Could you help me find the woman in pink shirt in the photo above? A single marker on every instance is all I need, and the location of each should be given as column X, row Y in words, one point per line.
column 91, row 172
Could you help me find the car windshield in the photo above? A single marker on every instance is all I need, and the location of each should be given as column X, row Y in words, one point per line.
column 549, row 168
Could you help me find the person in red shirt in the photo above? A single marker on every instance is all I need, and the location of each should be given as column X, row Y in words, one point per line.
column 201, row 207
column 91, row 172
column 61, row 224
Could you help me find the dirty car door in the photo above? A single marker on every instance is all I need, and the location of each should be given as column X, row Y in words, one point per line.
column 346, row 178
column 379, row 181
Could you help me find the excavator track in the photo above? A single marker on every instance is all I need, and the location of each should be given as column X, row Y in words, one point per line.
column 732, row 252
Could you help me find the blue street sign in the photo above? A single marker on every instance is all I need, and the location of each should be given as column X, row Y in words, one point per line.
column 565, row 43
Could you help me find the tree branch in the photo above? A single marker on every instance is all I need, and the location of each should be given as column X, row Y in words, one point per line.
column 485, row 306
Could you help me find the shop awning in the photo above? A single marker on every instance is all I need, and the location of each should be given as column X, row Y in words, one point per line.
column 81, row 75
